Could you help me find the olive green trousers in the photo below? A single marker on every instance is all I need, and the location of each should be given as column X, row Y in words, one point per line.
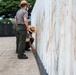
column 21, row 43
column 20, row 37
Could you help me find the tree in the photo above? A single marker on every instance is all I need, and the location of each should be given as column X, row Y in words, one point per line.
column 8, row 8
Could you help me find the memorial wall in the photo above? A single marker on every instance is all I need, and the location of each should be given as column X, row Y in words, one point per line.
column 55, row 37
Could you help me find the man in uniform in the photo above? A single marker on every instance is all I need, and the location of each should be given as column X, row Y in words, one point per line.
column 22, row 22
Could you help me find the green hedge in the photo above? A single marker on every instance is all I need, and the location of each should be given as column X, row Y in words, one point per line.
column 5, row 21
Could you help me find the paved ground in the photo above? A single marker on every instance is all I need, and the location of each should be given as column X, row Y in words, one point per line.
column 10, row 64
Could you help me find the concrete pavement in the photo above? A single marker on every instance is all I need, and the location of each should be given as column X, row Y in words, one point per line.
column 10, row 64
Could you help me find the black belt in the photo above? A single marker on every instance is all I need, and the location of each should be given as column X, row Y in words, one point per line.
column 21, row 24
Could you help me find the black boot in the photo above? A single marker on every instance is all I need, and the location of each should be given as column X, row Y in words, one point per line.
column 22, row 56
column 27, row 49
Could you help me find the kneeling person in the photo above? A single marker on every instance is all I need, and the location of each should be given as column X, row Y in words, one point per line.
column 29, row 41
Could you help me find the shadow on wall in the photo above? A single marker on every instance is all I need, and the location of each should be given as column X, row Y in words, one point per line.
column 40, row 65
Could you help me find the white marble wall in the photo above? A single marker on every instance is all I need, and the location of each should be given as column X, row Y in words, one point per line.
column 55, row 22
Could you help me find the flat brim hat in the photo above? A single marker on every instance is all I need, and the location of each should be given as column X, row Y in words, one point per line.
column 24, row 2
column 32, row 28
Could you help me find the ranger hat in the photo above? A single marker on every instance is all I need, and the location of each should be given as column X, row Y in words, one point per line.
column 24, row 2
column 32, row 28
